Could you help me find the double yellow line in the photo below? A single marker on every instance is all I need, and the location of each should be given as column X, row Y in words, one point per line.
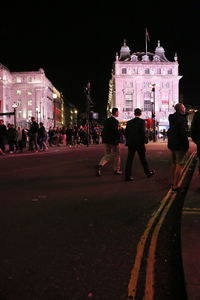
column 191, row 211
column 156, row 220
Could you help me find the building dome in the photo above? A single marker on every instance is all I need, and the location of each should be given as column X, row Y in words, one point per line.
column 124, row 51
column 159, row 50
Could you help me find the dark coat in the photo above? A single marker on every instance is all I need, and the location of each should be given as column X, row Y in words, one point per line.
column 110, row 133
column 3, row 131
column 135, row 132
column 34, row 128
column 178, row 133
column 195, row 128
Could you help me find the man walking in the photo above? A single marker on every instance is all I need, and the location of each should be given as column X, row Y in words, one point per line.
column 178, row 143
column 136, row 140
column 111, row 139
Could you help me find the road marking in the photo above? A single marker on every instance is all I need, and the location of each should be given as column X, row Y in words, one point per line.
column 191, row 211
column 191, row 208
column 140, row 250
column 132, row 286
column 149, row 283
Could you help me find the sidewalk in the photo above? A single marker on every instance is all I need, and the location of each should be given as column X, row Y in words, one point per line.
column 190, row 236
column 53, row 149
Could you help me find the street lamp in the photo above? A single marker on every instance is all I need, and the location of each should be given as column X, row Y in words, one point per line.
column 14, row 106
column 89, row 103
column 54, row 108
column 37, row 110
column 153, row 111
column 76, row 112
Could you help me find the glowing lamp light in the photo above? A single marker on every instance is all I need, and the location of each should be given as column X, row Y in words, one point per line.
column 14, row 105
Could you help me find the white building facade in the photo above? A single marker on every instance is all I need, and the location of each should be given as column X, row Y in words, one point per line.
column 144, row 80
column 32, row 93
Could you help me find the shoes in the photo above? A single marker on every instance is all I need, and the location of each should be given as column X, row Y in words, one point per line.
column 129, row 179
column 118, row 172
column 150, row 173
column 98, row 171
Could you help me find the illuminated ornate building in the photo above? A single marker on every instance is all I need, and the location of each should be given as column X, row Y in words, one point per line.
column 145, row 80
column 34, row 95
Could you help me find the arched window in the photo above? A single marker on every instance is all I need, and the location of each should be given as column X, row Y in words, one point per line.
column 147, row 71
column 147, row 102
column 128, row 102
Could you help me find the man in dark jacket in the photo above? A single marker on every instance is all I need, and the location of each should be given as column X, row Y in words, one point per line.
column 195, row 133
column 3, row 136
column 178, row 142
column 33, row 135
column 135, row 140
column 111, row 139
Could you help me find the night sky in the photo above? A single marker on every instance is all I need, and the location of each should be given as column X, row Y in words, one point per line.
column 78, row 44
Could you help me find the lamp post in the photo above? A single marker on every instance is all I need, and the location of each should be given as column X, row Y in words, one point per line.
column 14, row 106
column 76, row 112
column 88, row 105
column 153, row 112
column 37, row 110
column 54, row 109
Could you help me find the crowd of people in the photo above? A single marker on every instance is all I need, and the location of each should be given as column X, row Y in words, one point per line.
column 38, row 138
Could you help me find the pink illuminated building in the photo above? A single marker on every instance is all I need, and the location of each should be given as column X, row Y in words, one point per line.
column 33, row 94
column 145, row 80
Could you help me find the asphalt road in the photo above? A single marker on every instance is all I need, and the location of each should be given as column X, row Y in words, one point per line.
column 69, row 235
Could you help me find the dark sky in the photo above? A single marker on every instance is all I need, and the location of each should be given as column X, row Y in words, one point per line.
column 78, row 44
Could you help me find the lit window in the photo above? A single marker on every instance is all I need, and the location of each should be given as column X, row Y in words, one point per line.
column 128, row 102
column 135, row 70
column 18, row 79
column 19, row 92
column 29, row 113
column 19, row 114
column 147, row 102
column 29, row 93
column 30, row 102
column 19, row 102
column 128, row 84
column 147, row 84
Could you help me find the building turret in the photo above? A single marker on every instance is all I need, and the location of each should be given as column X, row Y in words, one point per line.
column 124, row 51
column 160, row 52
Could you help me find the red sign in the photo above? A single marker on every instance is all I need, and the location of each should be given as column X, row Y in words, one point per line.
column 149, row 123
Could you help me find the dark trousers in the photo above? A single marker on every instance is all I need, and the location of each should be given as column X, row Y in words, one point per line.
column 198, row 154
column 33, row 141
column 2, row 144
column 142, row 155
